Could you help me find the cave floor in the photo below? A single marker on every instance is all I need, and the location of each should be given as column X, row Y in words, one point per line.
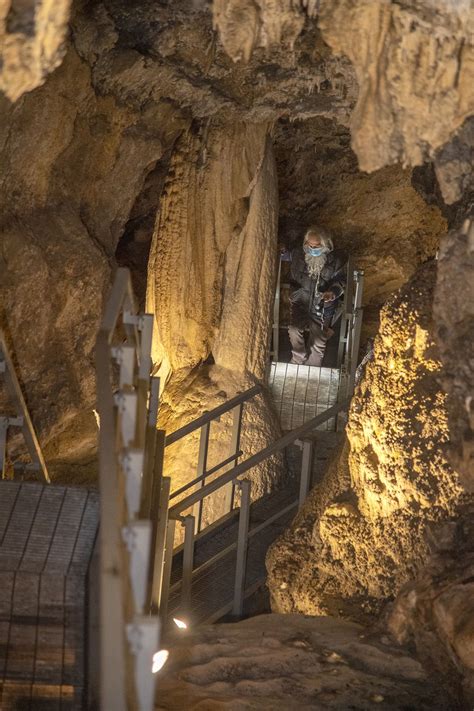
column 293, row 662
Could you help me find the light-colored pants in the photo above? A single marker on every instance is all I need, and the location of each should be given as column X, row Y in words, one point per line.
column 311, row 353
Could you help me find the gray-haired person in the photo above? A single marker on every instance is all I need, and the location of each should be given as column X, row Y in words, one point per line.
column 318, row 278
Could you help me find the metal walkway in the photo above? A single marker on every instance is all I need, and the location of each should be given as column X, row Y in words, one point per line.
column 212, row 590
column 47, row 535
column 300, row 392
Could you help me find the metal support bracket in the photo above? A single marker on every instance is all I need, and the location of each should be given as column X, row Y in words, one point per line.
column 143, row 637
column 132, row 466
column 137, row 537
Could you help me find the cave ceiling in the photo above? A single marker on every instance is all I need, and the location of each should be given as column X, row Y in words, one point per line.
column 150, row 51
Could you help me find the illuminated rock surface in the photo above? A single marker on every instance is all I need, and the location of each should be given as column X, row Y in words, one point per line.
column 360, row 535
column 32, row 38
column 290, row 661
column 410, row 60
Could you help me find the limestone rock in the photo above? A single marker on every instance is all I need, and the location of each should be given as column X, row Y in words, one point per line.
column 210, row 285
column 73, row 164
column 454, row 318
column 290, row 661
column 32, row 41
column 154, row 50
column 411, row 60
column 364, row 526
column 436, row 610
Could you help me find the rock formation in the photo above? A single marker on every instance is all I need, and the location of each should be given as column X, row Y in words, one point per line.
column 32, row 41
column 410, row 60
column 436, row 610
column 290, row 661
column 360, row 535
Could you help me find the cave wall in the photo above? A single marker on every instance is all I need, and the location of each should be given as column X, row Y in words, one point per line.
column 361, row 533
column 32, row 42
column 73, row 163
column 412, row 61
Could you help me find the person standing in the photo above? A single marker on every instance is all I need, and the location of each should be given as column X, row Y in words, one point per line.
column 318, row 278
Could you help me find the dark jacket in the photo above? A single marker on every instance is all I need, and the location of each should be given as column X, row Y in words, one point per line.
column 306, row 292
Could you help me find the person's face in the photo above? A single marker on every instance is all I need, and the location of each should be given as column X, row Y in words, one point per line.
column 314, row 241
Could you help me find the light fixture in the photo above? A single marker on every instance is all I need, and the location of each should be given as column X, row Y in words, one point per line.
column 159, row 660
column 180, row 624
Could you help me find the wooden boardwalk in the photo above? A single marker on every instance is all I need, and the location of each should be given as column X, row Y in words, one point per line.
column 47, row 534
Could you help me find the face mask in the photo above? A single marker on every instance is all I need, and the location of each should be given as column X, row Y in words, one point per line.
column 315, row 251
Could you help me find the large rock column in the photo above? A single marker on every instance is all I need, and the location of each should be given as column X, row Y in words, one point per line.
column 210, row 286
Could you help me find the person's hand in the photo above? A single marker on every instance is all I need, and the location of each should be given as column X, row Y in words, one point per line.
column 329, row 296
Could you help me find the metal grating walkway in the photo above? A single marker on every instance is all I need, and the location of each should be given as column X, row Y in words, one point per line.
column 47, row 534
column 300, row 392
column 213, row 582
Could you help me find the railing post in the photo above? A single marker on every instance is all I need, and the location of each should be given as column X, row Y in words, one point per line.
column 165, row 587
column 357, row 326
column 242, row 545
column 276, row 317
column 234, row 448
column 188, row 562
column 306, row 470
column 201, row 470
column 152, row 451
column 157, row 567
column 3, row 444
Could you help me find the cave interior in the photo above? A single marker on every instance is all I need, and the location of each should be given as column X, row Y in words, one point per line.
column 189, row 148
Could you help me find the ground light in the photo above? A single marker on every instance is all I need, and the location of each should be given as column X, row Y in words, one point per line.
column 180, row 624
column 159, row 660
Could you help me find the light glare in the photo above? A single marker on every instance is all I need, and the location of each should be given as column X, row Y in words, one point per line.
column 180, row 624
column 159, row 660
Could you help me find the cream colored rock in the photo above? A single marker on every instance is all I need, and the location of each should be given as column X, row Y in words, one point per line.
column 32, row 43
column 454, row 317
column 274, row 662
column 412, row 61
column 436, row 610
column 210, row 285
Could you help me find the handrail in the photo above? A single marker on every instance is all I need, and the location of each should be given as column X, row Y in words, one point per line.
column 212, row 414
column 207, row 473
column 257, row 458
column 24, row 420
column 128, row 638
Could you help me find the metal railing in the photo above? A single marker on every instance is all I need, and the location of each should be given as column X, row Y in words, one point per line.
column 22, row 419
column 171, row 513
column 166, row 532
column 350, row 329
column 175, row 514
column 128, row 454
